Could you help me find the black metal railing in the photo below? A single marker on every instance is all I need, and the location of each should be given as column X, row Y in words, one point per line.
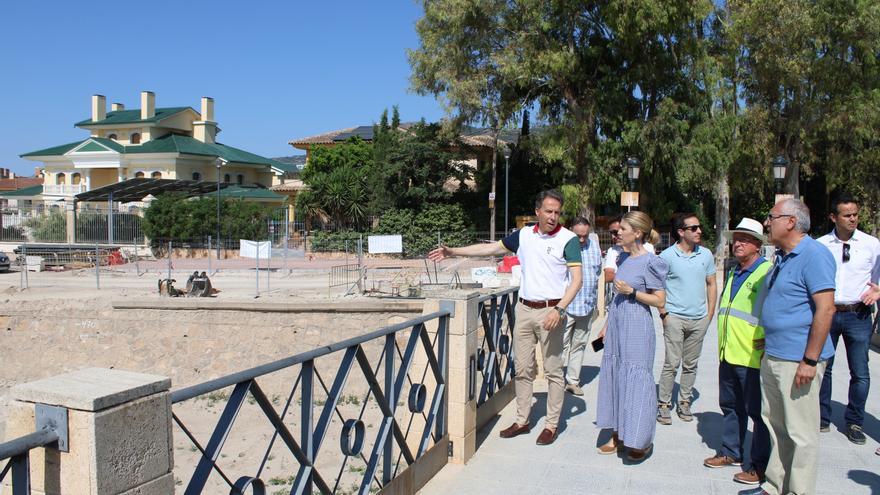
column 51, row 422
column 495, row 356
column 393, row 387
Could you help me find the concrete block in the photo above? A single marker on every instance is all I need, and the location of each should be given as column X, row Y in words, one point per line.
column 131, row 444
column 164, row 485
column 91, row 389
column 463, row 449
column 462, row 419
column 461, row 348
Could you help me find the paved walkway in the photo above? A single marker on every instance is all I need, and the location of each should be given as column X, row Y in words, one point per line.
column 571, row 465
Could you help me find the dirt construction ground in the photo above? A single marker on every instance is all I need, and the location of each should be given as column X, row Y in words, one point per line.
column 54, row 322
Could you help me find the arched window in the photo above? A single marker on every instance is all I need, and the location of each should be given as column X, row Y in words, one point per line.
column 239, row 179
column 76, row 179
column 227, row 178
column 197, row 176
column 111, row 136
column 60, row 178
column 139, row 175
column 156, row 175
column 135, row 138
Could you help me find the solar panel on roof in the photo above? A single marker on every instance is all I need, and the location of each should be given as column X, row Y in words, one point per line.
column 364, row 132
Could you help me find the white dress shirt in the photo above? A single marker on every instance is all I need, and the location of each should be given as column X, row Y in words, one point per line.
column 852, row 277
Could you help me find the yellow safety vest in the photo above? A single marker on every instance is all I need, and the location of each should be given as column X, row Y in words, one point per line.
column 738, row 326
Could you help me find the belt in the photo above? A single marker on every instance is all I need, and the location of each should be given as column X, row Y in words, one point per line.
column 851, row 308
column 540, row 304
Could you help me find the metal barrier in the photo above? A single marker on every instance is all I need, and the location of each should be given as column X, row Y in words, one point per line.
column 386, row 389
column 52, row 429
column 495, row 356
column 348, row 276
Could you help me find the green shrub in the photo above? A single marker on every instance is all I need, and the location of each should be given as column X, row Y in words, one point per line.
column 48, row 228
column 321, row 241
column 419, row 228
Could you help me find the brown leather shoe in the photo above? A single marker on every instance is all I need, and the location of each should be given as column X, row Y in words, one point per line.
column 514, row 430
column 720, row 461
column 612, row 447
column 639, row 455
column 546, row 437
column 750, row 477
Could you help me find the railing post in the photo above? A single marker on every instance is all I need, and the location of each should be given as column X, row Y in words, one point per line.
column 461, row 423
column 119, row 425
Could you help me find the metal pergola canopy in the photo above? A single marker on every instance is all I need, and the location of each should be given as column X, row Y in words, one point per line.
column 137, row 189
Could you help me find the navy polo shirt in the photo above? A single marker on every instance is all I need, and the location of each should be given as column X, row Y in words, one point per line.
column 788, row 309
column 740, row 275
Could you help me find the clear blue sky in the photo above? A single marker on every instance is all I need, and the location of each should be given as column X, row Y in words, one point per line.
column 277, row 70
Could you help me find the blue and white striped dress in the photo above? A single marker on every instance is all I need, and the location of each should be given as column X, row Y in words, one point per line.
column 627, row 396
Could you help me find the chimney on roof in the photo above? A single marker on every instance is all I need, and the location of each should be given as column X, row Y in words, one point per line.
column 205, row 130
column 148, row 105
column 117, row 107
column 99, row 107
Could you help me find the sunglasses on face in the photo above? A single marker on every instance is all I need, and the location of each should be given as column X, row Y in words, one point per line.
column 692, row 228
column 845, row 257
column 614, row 233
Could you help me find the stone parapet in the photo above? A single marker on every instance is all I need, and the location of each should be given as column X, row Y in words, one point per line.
column 119, row 426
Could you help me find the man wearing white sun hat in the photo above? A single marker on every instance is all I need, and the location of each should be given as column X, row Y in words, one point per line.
column 740, row 348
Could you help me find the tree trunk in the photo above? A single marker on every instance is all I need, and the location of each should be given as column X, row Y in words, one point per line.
column 792, row 178
column 722, row 220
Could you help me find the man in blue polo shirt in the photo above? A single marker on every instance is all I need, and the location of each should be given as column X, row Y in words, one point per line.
column 550, row 257
column 796, row 316
column 691, row 293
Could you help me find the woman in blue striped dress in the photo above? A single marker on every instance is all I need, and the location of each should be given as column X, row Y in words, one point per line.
column 627, row 396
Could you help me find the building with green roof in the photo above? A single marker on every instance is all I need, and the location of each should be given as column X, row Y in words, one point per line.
column 151, row 142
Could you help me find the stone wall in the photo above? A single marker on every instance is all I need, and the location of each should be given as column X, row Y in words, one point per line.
column 43, row 339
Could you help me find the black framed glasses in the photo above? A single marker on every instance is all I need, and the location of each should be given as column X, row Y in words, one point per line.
column 692, row 228
column 845, row 255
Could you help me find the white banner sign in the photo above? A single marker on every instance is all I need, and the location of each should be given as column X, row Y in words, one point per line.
column 379, row 244
column 250, row 249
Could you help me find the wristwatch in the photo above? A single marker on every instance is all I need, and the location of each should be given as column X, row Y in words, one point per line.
column 559, row 310
column 664, row 315
column 632, row 295
column 809, row 362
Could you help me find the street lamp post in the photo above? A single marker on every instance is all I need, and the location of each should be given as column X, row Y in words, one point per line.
column 506, row 151
column 632, row 173
column 220, row 162
column 780, row 167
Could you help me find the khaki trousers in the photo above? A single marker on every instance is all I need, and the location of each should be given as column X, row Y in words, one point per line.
column 792, row 418
column 684, row 343
column 528, row 333
column 576, row 337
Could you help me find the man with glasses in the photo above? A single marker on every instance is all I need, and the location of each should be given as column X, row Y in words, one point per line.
column 580, row 313
column 796, row 316
column 857, row 256
column 690, row 304
column 740, row 348
column 609, row 266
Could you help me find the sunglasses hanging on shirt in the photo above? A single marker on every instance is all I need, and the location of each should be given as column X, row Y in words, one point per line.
column 845, row 254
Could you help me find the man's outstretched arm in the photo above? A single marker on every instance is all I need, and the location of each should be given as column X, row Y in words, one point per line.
column 483, row 249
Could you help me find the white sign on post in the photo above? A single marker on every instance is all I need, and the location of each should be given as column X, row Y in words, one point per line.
column 385, row 244
column 250, row 249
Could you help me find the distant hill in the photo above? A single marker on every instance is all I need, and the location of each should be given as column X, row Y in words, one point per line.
column 298, row 161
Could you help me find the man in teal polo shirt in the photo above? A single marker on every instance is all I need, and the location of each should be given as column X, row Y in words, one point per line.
column 796, row 316
column 691, row 294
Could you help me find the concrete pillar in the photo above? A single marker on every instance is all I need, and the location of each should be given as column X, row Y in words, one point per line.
column 462, row 409
column 70, row 222
column 119, row 426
